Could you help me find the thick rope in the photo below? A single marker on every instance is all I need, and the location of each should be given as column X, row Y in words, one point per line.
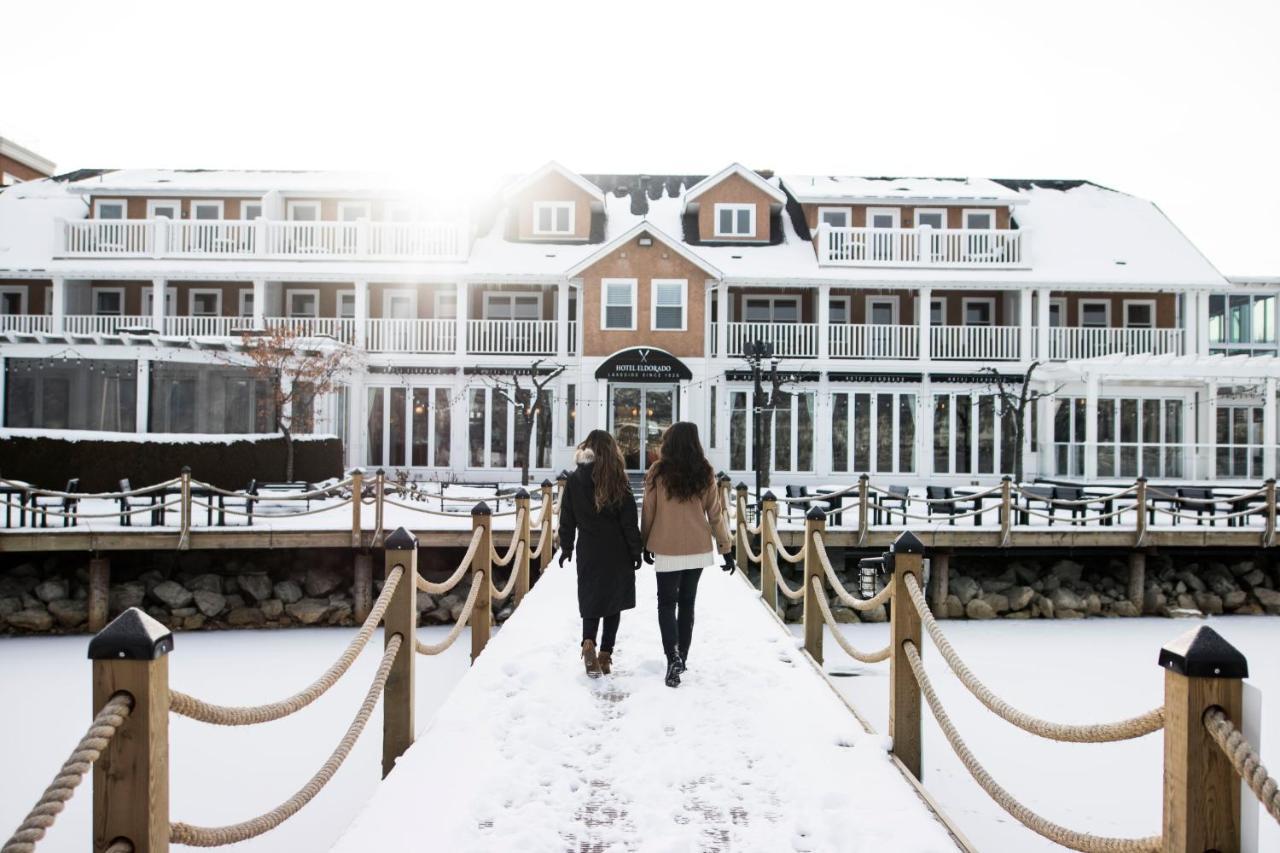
column 463, row 617
column 201, row 836
column 783, row 586
column 34, row 510
column 1244, row 758
column 53, row 493
column 258, row 513
column 543, row 537
column 452, row 581
column 55, row 797
column 797, row 557
column 326, row 492
column 511, row 546
column 230, row 715
column 1143, row 724
column 850, row 601
column 501, row 595
column 1058, row 834
column 825, row 607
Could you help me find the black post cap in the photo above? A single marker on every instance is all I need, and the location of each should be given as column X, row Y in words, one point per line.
column 186, row 469
column 563, row 475
column 742, row 487
column 1203, row 653
column 521, row 494
column 133, row 635
column 401, row 540
column 907, row 543
column 481, row 508
column 722, row 477
column 546, row 484
column 1006, row 479
column 380, row 473
column 864, row 476
column 815, row 514
column 355, row 471
column 768, row 496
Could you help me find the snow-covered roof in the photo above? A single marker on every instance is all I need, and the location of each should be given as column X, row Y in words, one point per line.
column 574, row 178
column 1168, row 367
column 825, row 189
column 644, row 226
column 765, row 186
column 25, row 156
column 27, row 214
column 253, row 182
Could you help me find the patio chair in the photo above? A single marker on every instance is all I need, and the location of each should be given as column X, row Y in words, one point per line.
column 1190, row 499
column 803, row 506
column 68, row 505
column 948, row 506
column 894, row 495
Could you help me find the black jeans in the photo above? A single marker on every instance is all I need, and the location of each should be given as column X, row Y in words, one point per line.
column 677, row 590
column 592, row 625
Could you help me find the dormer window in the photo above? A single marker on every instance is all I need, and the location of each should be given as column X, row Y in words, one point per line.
column 932, row 217
column 884, row 217
column 553, row 218
column 735, row 220
column 834, row 217
column 110, row 208
column 981, row 220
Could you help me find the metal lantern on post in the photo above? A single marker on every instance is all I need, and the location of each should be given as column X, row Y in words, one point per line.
column 756, row 353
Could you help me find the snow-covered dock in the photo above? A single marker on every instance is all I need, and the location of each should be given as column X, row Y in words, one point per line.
column 754, row 752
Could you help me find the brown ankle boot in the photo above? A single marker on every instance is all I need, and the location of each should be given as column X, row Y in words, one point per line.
column 589, row 658
column 606, row 662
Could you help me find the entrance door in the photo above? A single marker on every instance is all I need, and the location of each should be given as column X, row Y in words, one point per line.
column 639, row 416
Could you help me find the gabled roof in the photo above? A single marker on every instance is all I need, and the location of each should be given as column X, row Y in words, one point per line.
column 735, row 168
column 643, row 226
column 574, row 178
column 830, row 189
column 26, row 156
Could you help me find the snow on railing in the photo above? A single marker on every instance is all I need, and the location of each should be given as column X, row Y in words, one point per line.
column 102, row 324
column 955, row 247
column 866, row 340
column 88, row 237
column 219, row 327
column 511, row 337
column 339, row 328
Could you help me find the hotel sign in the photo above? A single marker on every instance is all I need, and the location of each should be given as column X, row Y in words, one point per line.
column 643, row 364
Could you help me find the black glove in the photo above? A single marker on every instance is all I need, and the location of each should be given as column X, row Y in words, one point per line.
column 566, row 554
column 648, row 556
column 729, row 564
column 636, row 560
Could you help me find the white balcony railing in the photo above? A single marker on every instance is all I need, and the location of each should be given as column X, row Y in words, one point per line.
column 872, row 341
column 572, row 348
column 205, row 327
column 106, row 324
column 110, row 237
column 974, row 343
column 424, row 336
column 339, row 328
column 789, row 340
column 415, row 240
column 206, row 238
column 1071, row 343
column 511, row 337
column 920, row 247
column 26, row 323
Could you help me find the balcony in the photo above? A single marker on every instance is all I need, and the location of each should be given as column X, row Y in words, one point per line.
column 920, row 247
column 974, row 343
column 260, row 238
column 423, row 336
column 1067, row 343
column 872, row 341
column 789, row 340
column 511, row 337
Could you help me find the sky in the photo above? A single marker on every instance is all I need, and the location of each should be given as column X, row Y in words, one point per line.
column 1178, row 102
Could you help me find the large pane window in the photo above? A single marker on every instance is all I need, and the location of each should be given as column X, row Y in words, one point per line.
column 873, row 433
column 374, row 419
column 71, row 394
column 738, row 417
column 1242, row 323
column 619, row 304
column 209, row 399
column 788, row 433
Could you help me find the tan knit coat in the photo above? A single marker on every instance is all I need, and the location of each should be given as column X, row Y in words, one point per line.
column 679, row 528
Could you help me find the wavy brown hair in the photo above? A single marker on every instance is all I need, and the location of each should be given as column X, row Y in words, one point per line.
column 682, row 466
column 609, row 473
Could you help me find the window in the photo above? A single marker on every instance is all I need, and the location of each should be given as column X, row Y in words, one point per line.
column 347, row 304
column 206, row 303
column 873, row 432
column 969, row 437
column 304, row 303
column 13, row 300
column 207, row 210
column 884, row 217
column 496, row 433
column 668, row 308
column 1239, row 444
column 250, row 210
column 511, row 306
column 108, row 301
column 409, row 427
column 553, row 217
column 735, row 220
column 1140, row 313
column 618, row 307
column 938, row 311
column 570, row 415
column 1095, row 313
column 1136, row 437
column 304, row 211
column 711, row 431
column 1242, row 323
column 979, row 220
column 882, row 310
column 979, row 311
column 110, row 208
column 1057, row 313
column 149, row 300
column 208, row 398
column 838, row 310
column 246, row 303
column 400, row 304
column 931, row 217
column 446, row 304
column 835, row 217
column 164, row 209
column 71, row 394
column 354, row 211
column 789, row 432
column 772, row 309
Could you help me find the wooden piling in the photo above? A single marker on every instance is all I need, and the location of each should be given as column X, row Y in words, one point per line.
column 362, row 586
column 904, row 625
column 815, row 521
column 99, row 592
column 521, row 564
column 1137, row 578
column 940, row 576
column 400, row 619
column 482, row 564
column 768, row 556
column 357, row 504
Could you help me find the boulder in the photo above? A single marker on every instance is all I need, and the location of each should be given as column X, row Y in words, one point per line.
column 844, row 615
column 875, row 614
column 1018, row 614
column 151, row 579
column 69, row 612
column 978, row 608
column 288, row 592
column 308, row 611
column 1242, row 568
column 1231, row 600
column 1020, row 597
column 209, row 603
column 1093, row 604
column 323, row 580
column 340, row 614
column 964, row 588
column 1067, row 571
column 1050, row 583
column 1065, row 599
column 1254, row 578
column 425, row 602
column 954, row 609
column 1153, row 600
column 171, row 594
column 183, row 612
column 255, row 586
column 997, row 602
column 1060, row 613
column 439, row 616
column 126, row 595
column 1269, row 599
column 996, row 585
column 10, row 605
column 1193, row 583
column 1208, row 602
column 193, row 623
column 1042, row 606
column 207, row 582
column 234, row 600
column 52, row 589
column 272, row 608
column 1186, row 602
column 1025, row 573
column 245, row 617
column 30, row 620
column 1124, row 608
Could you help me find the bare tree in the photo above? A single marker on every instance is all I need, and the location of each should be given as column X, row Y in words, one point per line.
column 528, row 398
column 1014, row 398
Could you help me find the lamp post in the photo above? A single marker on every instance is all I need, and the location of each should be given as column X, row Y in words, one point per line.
column 756, row 353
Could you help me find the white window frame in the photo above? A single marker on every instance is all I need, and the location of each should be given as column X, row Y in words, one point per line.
column 22, row 297
column 966, row 301
column 390, row 211
column 653, row 303
column 153, row 203
column 197, row 204
column 346, row 296
column 170, row 299
column 440, row 295
column 846, row 211
column 553, row 206
column 204, row 291
column 344, row 206
column 891, row 301
column 940, row 300
column 773, row 301
column 848, row 308
column 116, row 290
column 1080, row 306
column 1061, row 303
column 895, row 212
column 301, row 291
column 389, row 295
column 941, row 211
column 986, row 211
column 632, row 284
column 512, row 296
column 244, row 296
column 297, row 204
column 246, row 202
column 1150, row 303
column 124, row 208
column 735, row 207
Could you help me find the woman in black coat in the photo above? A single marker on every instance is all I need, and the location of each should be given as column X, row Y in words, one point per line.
column 598, row 517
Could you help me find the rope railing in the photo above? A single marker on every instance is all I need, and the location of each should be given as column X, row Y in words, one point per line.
column 828, row 617
column 464, row 616
column 37, row 511
column 199, row 836
column 229, row 715
column 783, row 586
column 446, row 585
column 505, row 592
column 1244, row 760
column 54, row 493
column 511, row 546
column 55, row 797
column 322, row 492
column 797, row 557
column 850, row 601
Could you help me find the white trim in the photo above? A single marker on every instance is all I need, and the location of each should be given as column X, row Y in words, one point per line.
column 847, row 211
column 93, row 300
column 1080, row 306
column 773, row 300
column 871, row 302
column 848, row 308
column 1150, row 303
column 966, row 301
column 313, row 292
column 366, row 206
column 198, row 291
column 941, row 211
column 26, row 156
column 735, row 168
column 604, row 304
column 653, row 304
column 736, row 208
column 241, row 311
column 1061, row 302
column 511, row 295
column 244, row 202
column 390, row 210
column 552, row 166
column 450, row 294
column 124, row 208
column 346, row 295
column 941, row 300
column 554, row 207
column 895, row 212
column 644, row 226
column 295, row 204
column 196, row 205
column 170, row 300
column 389, row 295
column 964, row 217
column 22, row 296
column 153, row 203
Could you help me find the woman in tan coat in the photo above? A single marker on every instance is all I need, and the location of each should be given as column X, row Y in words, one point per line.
column 680, row 516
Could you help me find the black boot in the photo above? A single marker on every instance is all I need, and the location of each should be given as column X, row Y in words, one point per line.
column 674, row 667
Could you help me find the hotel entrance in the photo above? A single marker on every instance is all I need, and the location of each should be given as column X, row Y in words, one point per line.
column 643, row 401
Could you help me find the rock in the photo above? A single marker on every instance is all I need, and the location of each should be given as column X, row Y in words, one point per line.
column 288, row 592
column 30, row 620
column 844, row 615
column 308, row 611
column 30, row 602
column 1020, row 597
column 193, row 623
column 425, row 602
column 1193, row 583
column 207, row 582
column 182, row 612
column 1186, row 602
column 1269, row 599
column 1242, row 568
column 245, row 617
column 1050, row 583
column 997, row 602
column 1067, row 571
column 1254, row 578
column 234, row 600
column 1232, row 600
column 964, row 588
column 1093, row 604
column 1207, row 602
column 1018, row 614
column 505, row 613
column 171, row 594
column 1184, row 613
column 1153, row 601
column 978, row 608
column 272, row 608
column 1025, row 573
column 209, row 603
column 1221, row 585
column 1042, row 606
column 52, row 589
column 257, row 586
column 875, row 614
column 151, row 579
column 996, row 585
column 1060, row 613
column 1065, row 599
column 439, row 616
column 69, row 612
column 10, row 605
column 1249, row 609
column 126, row 595
column 340, row 614
column 955, row 610
column 323, row 580
column 1124, row 608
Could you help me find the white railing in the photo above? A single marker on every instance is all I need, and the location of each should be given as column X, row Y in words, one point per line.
column 205, row 327
column 572, row 332
column 207, row 238
column 511, row 337
column 103, row 324
column 1070, row 342
column 105, row 237
column 948, row 247
column 415, row 240
column 789, row 340
column 26, row 323
column 974, row 343
column 428, row 336
column 339, row 328
column 872, row 341
column 292, row 239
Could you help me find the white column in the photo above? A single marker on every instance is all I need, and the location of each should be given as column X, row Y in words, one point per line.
column 362, row 315
column 460, row 344
column 1269, row 429
column 823, row 294
column 357, row 399
column 1091, row 428
column 1209, row 433
column 1042, row 323
column 58, row 310
column 722, row 319
column 924, row 324
column 601, row 407
column 562, row 319
column 1024, row 326
column 142, row 400
column 157, row 304
column 1202, row 324
column 4, row 372
column 1044, row 425
column 259, row 303
column 924, row 424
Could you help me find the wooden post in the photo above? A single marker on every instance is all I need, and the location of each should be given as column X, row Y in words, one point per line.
column 940, row 564
column 357, row 503
column 99, row 592
column 482, row 564
column 1269, row 538
column 401, row 618
column 904, row 625
column 362, row 586
column 545, row 530
column 379, row 492
column 521, row 564
column 726, row 494
column 1006, row 508
column 815, row 521
column 131, row 777
column 740, row 530
column 768, row 564
column 1140, row 504
column 1137, row 578
column 1201, row 789
column 184, row 510
column 864, row 517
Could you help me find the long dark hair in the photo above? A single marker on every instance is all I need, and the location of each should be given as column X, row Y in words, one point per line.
column 682, row 466
column 609, row 474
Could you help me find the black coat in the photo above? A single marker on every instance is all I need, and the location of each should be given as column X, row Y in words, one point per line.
column 607, row 545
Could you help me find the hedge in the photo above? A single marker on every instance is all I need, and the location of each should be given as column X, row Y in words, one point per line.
column 101, row 464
